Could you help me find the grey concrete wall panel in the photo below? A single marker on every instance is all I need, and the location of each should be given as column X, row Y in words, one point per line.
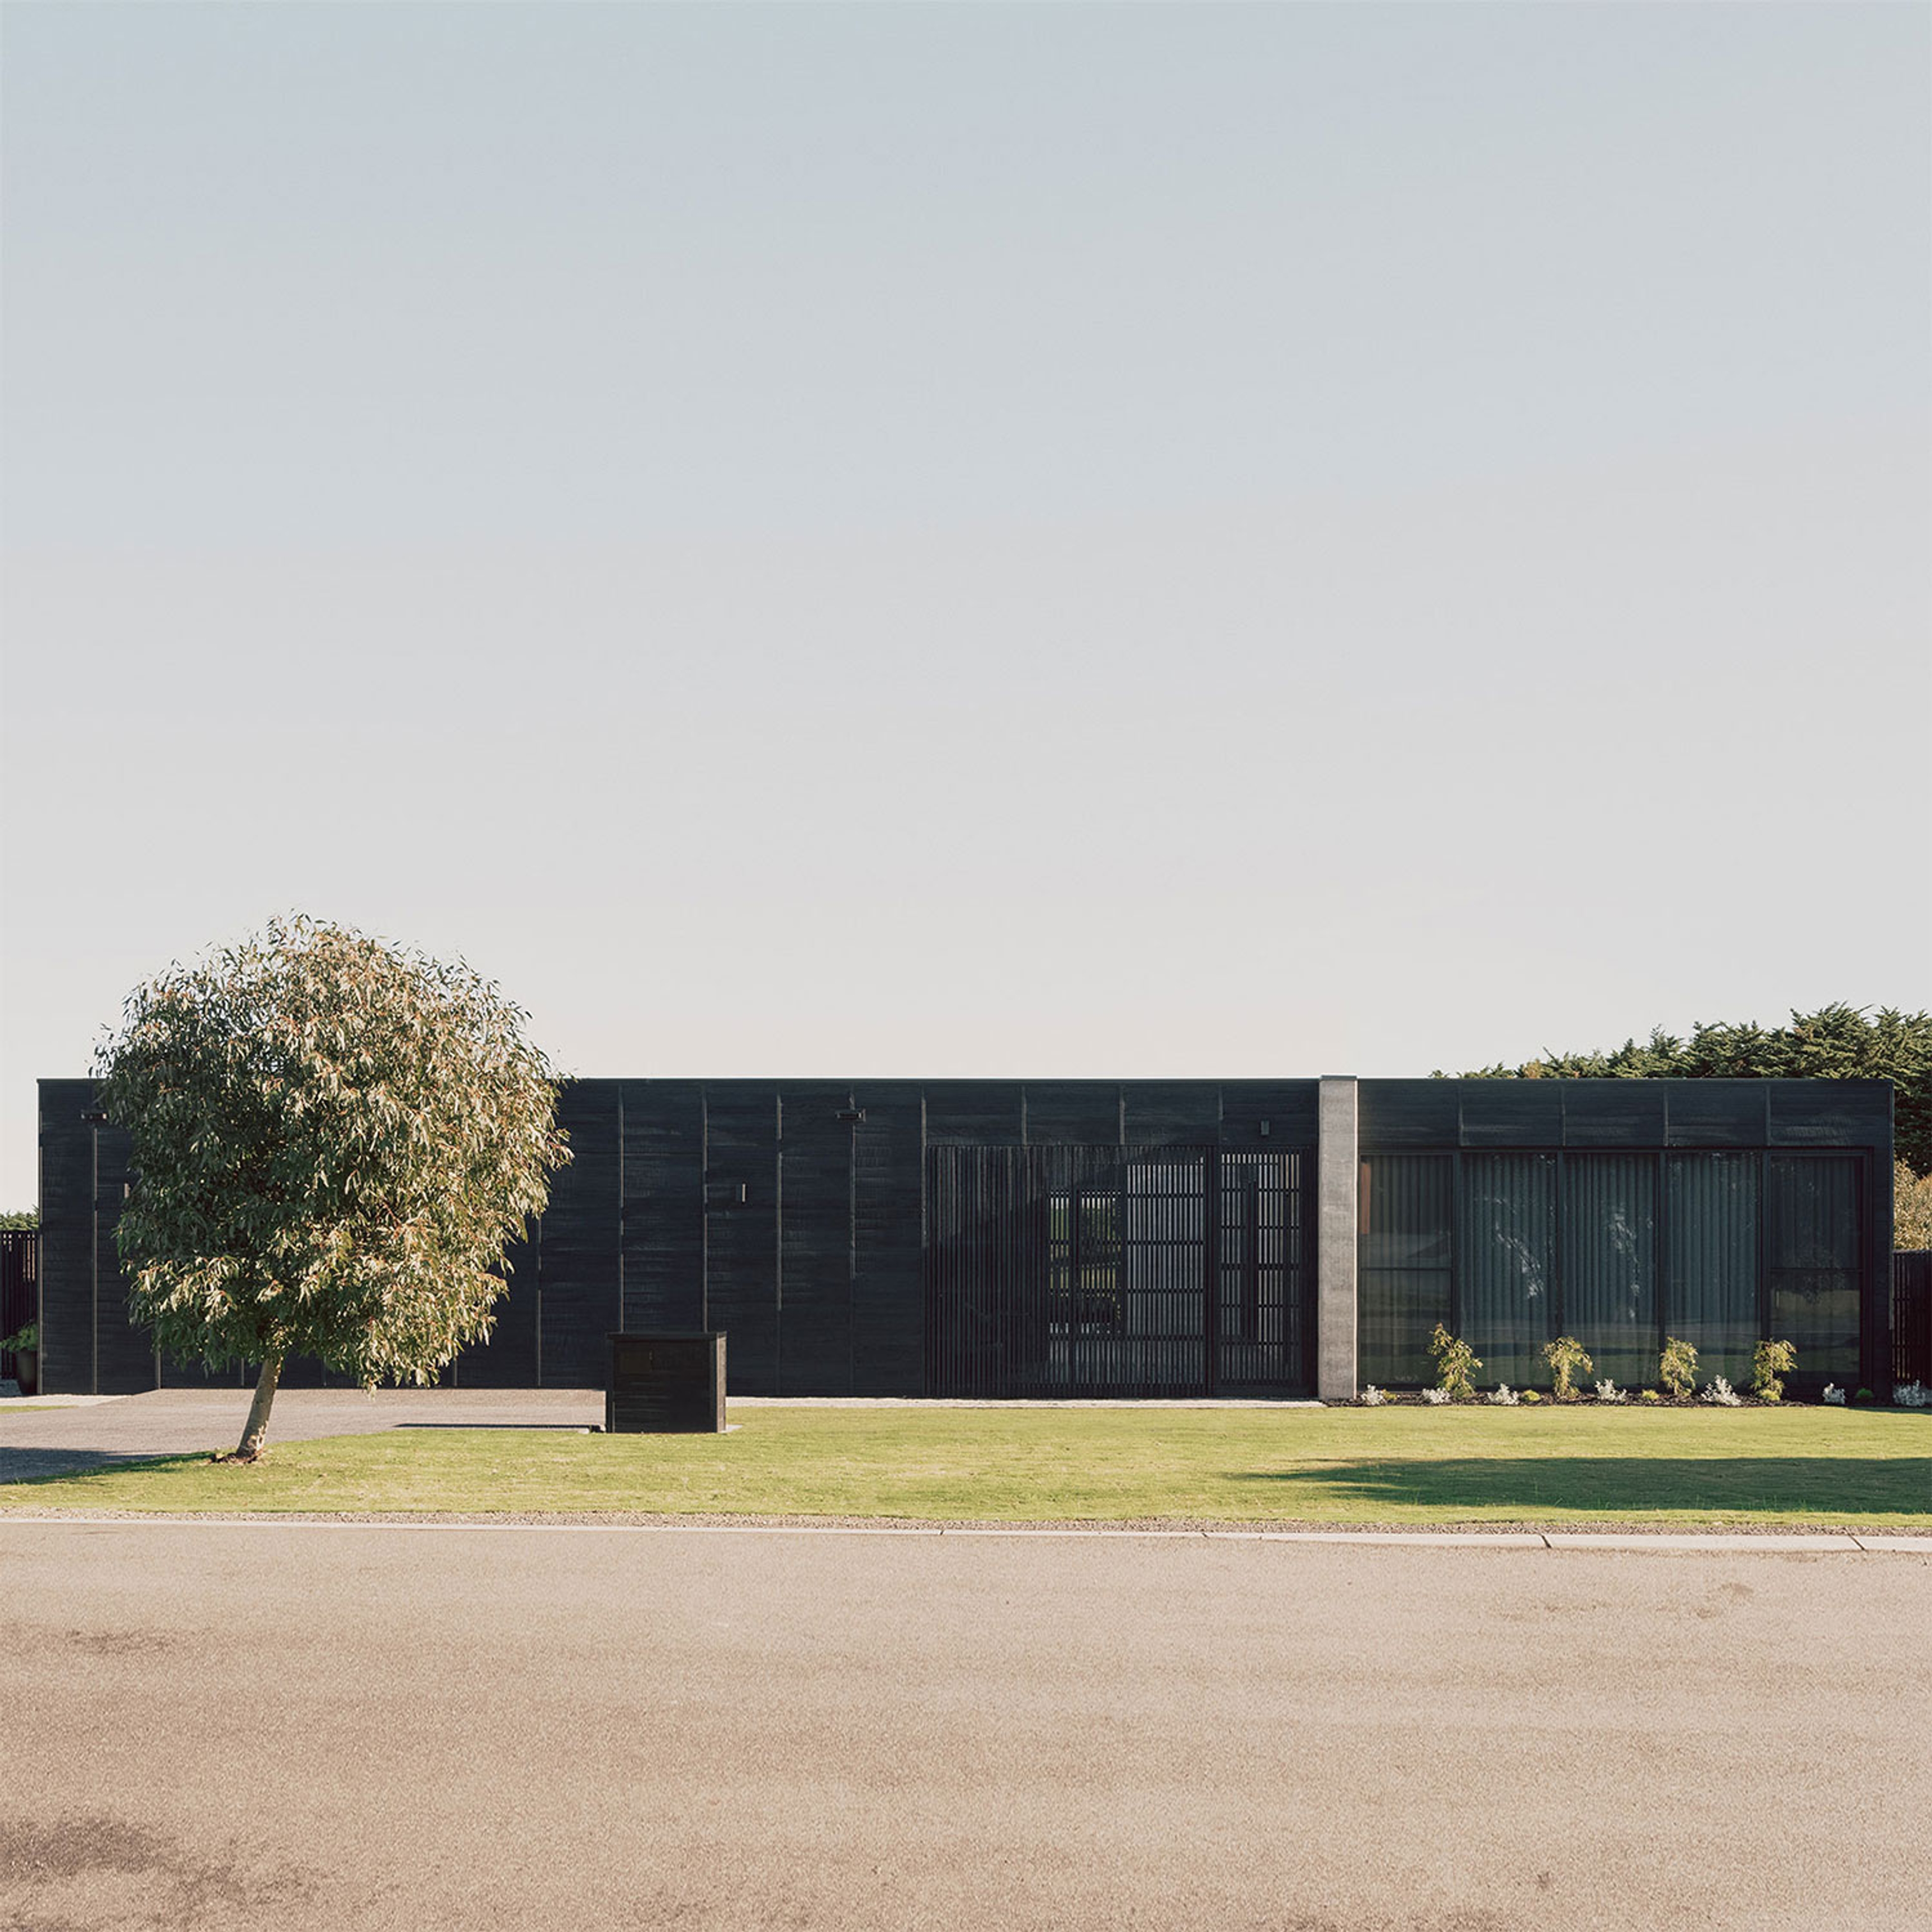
column 974, row 1113
column 663, row 1179
column 888, row 1282
column 815, row 1251
column 581, row 1271
column 741, row 1236
column 1337, row 1166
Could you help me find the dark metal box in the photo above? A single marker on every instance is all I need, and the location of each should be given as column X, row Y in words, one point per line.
column 665, row 1384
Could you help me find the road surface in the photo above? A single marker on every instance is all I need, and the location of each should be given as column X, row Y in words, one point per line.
column 247, row 1724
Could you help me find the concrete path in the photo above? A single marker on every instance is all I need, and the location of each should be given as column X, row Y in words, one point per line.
column 36, row 1441
column 486, row 1728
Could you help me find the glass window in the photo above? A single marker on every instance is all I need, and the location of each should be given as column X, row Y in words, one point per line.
column 1506, row 1253
column 1609, row 1263
column 1711, row 1235
column 1812, row 1226
column 1403, row 1258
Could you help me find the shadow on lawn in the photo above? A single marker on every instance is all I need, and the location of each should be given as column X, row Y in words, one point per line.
column 1868, row 1489
column 51, row 1465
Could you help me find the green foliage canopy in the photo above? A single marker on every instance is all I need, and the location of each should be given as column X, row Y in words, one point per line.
column 1836, row 1043
column 1911, row 1208
column 333, row 1140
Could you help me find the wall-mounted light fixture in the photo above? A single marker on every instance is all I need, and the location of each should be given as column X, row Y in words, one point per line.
column 850, row 1116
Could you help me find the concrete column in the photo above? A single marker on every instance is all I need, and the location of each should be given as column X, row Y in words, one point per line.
column 1337, row 1168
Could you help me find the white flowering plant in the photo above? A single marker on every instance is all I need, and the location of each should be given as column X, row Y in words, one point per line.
column 1435, row 1397
column 1834, row 1395
column 1720, row 1393
column 1912, row 1395
column 1608, row 1391
column 1503, row 1395
column 1371, row 1397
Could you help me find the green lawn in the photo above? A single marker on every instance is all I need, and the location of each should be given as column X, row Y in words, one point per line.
column 1406, row 1466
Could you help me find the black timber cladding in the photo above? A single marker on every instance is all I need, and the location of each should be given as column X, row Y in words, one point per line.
column 792, row 1215
column 1397, row 1114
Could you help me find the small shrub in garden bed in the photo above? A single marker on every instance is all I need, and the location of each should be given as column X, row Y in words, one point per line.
column 1834, row 1395
column 1719, row 1393
column 1503, row 1395
column 1566, row 1358
column 1530, row 1397
column 1454, row 1361
column 1677, row 1367
column 1771, row 1363
column 1650, row 1395
column 1912, row 1395
column 1435, row 1397
column 1608, row 1391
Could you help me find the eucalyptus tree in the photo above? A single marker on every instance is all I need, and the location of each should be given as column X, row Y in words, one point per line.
column 335, row 1139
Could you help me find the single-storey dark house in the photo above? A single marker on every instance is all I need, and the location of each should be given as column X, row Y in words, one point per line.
column 1151, row 1238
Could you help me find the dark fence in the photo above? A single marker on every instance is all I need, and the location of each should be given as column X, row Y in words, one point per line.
column 19, row 1287
column 1912, row 1316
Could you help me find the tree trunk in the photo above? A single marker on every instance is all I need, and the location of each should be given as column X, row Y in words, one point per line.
column 250, row 1449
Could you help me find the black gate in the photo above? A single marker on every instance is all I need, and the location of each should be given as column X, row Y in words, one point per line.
column 1117, row 1271
column 1911, row 1315
column 19, row 1287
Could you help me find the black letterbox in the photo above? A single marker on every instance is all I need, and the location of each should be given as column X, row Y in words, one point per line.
column 666, row 1384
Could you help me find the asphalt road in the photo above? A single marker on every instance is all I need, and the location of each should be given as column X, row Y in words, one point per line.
column 227, row 1725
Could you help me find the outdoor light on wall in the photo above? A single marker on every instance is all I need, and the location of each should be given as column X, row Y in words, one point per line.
column 1264, row 1130
column 850, row 1116
column 94, row 1118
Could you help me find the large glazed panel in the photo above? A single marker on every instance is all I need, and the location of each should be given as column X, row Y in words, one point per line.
column 1609, row 1263
column 1710, row 1235
column 1506, row 1262
column 1812, row 1225
column 1404, row 1245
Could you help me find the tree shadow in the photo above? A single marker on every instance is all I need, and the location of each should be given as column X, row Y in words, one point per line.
column 51, row 1465
column 1870, row 1489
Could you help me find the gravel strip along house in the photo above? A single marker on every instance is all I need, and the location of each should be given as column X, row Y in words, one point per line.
column 1155, row 1238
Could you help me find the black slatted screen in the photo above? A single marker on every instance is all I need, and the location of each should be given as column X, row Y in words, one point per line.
column 1086, row 1271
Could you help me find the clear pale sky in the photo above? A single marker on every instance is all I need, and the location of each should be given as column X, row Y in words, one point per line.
column 902, row 540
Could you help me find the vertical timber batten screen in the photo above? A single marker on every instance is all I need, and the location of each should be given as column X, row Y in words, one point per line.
column 19, row 1286
column 1067, row 1270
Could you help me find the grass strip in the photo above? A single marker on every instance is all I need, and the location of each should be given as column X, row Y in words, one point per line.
column 1802, row 1467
